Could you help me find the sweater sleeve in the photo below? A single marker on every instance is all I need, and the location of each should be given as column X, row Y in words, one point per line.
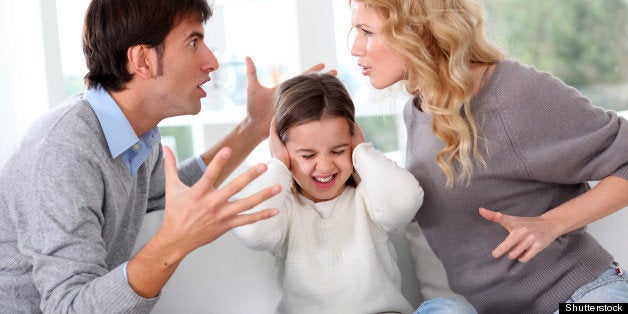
column 59, row 223
column 392, row 194
column 190, row 171
column 559, row 135
column 268, row 234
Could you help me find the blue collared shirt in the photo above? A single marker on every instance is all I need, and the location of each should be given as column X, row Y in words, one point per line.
column 119, row 134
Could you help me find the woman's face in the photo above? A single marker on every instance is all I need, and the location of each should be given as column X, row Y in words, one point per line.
column 381, row 63
column 320, row 157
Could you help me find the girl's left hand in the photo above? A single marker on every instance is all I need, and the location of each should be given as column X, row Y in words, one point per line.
column 528, row 235
column 358, row 136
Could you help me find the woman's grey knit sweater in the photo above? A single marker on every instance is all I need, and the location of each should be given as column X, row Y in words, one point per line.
column 542, row 141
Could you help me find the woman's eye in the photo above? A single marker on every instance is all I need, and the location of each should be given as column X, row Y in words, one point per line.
column 307, row 156
column 338, row 152
column 365, row 32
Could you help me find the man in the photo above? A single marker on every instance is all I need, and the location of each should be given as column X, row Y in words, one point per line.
column 75, row 189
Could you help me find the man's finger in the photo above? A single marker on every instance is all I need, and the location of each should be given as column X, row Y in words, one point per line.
column 170, row 167
column 244, row 204
column 245, row 219
column 251, row 72
column 206, row 182
column 237, row 184
column 315, row 68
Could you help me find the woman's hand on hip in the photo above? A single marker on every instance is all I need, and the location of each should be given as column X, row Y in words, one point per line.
column 527, row 235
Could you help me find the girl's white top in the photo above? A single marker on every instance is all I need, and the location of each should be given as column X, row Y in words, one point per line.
column 336, row 256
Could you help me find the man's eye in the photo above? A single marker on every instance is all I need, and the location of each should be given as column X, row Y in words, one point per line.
column 193, row 43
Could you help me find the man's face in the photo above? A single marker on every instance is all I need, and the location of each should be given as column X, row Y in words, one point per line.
column 183, row 67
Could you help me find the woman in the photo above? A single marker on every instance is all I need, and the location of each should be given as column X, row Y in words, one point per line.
column 503, row 153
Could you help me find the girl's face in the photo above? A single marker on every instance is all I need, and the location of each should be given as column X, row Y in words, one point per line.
column 320, row 157
column 382, row 64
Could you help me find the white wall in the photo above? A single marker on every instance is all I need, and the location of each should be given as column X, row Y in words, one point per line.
column 23, row 71
column 612, row 233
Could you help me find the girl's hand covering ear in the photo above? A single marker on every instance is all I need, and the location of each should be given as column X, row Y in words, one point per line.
column 358, row 136
column 277, row 148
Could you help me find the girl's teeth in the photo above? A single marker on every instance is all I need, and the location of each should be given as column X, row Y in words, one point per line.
column 324, row 180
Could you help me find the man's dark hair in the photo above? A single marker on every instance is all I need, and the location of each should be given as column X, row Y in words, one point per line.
column 113, row 26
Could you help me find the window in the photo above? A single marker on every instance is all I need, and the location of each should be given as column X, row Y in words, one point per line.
column 240, row 28
column 237, row 29
column 70, row 28
column 23, row 76
column 580, row 41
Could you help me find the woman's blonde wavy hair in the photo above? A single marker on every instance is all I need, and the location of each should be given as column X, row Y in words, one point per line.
column 442, row 40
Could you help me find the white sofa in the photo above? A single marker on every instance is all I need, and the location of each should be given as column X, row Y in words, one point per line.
column 226, row 277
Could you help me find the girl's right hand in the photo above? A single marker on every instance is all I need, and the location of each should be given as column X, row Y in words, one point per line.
column 277, row 148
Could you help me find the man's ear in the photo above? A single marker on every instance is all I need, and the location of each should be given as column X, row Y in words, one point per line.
column 142, row 61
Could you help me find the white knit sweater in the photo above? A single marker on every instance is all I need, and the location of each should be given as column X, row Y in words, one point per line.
column 336, row 256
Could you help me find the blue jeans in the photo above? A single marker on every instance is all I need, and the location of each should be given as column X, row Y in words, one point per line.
column 445, row 306
column 609, row 287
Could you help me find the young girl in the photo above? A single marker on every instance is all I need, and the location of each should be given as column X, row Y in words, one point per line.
column 331, row 235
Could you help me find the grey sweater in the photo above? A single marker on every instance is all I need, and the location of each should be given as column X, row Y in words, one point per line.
column 542, row 142
column 70, row 217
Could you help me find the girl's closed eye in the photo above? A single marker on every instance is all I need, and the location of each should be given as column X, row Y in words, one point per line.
column 338, row 152
column 309, row 156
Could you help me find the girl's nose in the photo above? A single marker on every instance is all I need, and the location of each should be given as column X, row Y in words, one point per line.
column 324, row 165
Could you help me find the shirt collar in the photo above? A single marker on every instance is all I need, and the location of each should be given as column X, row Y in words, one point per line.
column 120, row 136
column 118, row 132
